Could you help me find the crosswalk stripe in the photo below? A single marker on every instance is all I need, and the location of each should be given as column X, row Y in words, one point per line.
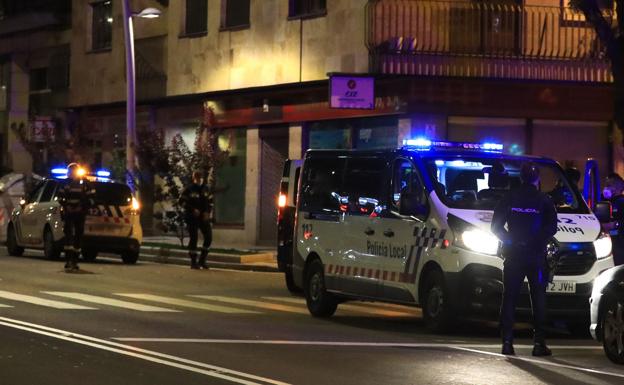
column 110, row 302
column 3, row 305
column 248, row 302
column 42, row 302
column 189, row 304
column 345, row 306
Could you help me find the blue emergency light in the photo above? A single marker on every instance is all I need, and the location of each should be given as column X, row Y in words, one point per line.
column 103, row 173
column 423, row 144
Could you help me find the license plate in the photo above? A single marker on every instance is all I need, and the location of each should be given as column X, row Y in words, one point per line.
column 561, row 287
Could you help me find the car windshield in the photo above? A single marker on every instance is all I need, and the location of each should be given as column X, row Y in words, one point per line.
column 478, row 183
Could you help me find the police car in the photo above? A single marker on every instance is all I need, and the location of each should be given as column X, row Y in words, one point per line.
column 412, row 226
column 112, row 224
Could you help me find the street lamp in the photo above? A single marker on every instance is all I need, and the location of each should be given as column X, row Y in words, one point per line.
column 148, row 13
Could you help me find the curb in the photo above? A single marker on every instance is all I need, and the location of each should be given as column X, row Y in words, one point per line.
column 263, row 262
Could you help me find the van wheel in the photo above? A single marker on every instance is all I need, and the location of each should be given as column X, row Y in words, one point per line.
column 320, row 302
column 612, row 319
column 130, row 257
column 290, row 282
column 12, row 247
column 51, row 249
column 437, row 311
column 89, row 255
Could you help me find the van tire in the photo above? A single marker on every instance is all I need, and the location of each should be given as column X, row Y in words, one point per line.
column 89, row 255
column 13, row 249
column 320, row 302
column 130, row 257
column 290, row 281
column 437, row 310
column 51, row 248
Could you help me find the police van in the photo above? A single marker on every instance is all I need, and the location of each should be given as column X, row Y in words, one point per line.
column 112, row 223
column 286, row 208
column 412, row 226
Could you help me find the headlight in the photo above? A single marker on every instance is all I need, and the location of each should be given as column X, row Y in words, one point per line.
column 480, row 241
column 603, row 246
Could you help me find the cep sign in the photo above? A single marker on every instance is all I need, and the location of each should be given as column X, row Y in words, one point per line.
column 356, row 92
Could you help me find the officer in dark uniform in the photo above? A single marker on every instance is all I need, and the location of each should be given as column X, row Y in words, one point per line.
column 197, row 205
column 75, row 198
column 531, row 220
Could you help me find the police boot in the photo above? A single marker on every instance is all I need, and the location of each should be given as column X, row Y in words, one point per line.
column 202, row 261
column 194, row 261
column 541, row 350
column 508, row 349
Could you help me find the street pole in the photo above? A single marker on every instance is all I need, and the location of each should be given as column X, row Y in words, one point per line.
column 130, row 96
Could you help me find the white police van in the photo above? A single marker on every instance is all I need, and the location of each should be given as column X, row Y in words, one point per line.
column 412, row 226
column 112, row 224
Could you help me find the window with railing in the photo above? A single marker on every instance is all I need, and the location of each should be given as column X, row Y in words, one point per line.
column 196, row 17
column 235, row 14
column 306, row 8
column 101, row 25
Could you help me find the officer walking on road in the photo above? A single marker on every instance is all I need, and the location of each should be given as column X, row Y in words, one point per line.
column 75, row 198
column 524, row 221
column 197, row 205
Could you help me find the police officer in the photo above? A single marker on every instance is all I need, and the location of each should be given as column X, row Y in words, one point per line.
column 197, row 205
column 75, row 198
column 524, row 220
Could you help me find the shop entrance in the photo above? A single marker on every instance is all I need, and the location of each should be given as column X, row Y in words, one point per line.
column 273, row 153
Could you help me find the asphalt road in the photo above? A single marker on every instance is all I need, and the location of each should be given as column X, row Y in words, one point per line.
column 167, row 324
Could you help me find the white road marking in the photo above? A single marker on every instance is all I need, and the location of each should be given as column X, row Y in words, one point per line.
column 349, row 343
column 347, row 306
column 471, row 348
column 3, row 305
column 42, row 301
column 111, row 302
column 189, row 304
column 248, row 302
column 144, row 354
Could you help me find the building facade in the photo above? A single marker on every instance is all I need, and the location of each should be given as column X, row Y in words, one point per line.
column 530, row 74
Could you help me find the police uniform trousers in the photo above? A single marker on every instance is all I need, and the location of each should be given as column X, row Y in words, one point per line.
column 195, row 225
column 73, row 229
column 518, row 265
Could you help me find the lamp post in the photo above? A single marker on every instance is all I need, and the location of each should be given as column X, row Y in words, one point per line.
column 148, row 13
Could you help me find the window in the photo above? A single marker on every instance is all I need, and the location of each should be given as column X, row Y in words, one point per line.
column 404, row 180
column 321, row 185
column 196, row 17
column 236, row 14
column 101, row 25
column 48, row 192
column 229, row 194
column 363, row 184
column 34, row 194
column 303, row 8
column 39, row 79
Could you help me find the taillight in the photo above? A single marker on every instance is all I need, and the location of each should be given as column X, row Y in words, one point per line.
column 281, row 201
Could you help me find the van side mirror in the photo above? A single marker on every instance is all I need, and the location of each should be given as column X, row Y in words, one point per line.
column 413, row 204
column 602, row 210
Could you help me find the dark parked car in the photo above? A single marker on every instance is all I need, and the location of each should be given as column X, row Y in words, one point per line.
column 607, row 312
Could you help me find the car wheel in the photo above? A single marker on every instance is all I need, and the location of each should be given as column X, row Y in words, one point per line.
column 612, row 319
column 320, row 302
column 290, row 282
column 89, row 255
column 12, row 247
column 51, row 249
column 130, row 257
column 437, row 310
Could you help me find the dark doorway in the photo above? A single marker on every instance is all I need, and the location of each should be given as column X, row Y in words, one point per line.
column 273, row 153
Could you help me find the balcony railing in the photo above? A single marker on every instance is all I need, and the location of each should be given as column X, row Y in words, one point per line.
column 493, row 39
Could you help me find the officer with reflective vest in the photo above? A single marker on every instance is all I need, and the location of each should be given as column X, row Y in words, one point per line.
column 197, row 205
column 525, row 220
column 75, row 197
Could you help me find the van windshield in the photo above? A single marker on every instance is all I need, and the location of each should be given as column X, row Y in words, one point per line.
column 476, row 183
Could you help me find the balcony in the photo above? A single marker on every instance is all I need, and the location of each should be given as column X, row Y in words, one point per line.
column 485, row 39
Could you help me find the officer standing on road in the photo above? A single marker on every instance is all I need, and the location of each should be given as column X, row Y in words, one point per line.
column 75, row 198
column 530, row 218
column 197, row 205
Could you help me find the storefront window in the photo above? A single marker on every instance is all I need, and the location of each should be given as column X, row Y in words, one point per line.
column 229, row 197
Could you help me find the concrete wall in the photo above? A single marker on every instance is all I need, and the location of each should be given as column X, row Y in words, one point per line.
column 269, row 52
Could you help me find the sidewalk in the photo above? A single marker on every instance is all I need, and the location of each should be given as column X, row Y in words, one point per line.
column 167, row 249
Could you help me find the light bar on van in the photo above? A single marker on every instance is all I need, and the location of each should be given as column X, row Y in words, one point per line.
column 103, row 173
column 59, row 171
column 422, row 144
